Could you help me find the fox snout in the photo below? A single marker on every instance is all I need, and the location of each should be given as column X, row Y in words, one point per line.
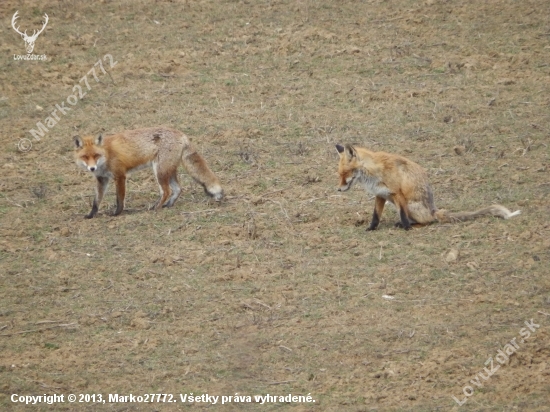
column 92, row 168
column 345, row 183
column 344, row 188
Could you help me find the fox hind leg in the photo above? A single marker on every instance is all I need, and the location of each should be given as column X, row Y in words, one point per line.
column 163, row 180
column 164, row 185
column 405, row 222
column 419, row 213
column 120, row 182
column 404, row 215
column 412, row 222
column 176, row 191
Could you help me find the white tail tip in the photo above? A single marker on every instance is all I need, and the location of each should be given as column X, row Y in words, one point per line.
column 517, row 212
column 216, row 192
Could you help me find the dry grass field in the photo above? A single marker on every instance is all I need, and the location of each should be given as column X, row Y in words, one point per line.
column 278, row 289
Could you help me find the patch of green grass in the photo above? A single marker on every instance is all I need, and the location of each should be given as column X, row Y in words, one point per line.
column 157, row 78
column 49, row 345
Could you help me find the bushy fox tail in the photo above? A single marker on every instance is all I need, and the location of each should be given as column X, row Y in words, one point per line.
column 494, row 210
column 198, row 169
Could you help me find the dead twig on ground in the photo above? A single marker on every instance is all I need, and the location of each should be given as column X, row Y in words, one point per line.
column 67, row 325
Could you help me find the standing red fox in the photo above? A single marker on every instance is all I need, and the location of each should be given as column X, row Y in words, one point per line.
column 162, row 148
column 398, row 180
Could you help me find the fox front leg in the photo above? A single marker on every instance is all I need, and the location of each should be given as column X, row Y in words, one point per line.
column 379, row 203
column 102, row 183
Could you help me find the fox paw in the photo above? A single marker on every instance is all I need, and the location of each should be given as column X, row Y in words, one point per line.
column 400, row 225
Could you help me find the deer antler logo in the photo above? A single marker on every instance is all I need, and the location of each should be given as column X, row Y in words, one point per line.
column 29, row 40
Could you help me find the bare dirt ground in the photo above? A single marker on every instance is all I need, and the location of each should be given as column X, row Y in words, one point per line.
column 279, row 289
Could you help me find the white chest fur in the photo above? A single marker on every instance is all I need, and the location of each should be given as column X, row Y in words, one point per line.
column 102, row 169
column 374, row 186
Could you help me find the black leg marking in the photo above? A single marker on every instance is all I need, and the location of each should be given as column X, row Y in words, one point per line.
column 379, row 203
column 119, row 207
column 120, row 194
column 375, row 221
column 405, row 224
column 102, row 183
column 93, row 212
column 411, row 221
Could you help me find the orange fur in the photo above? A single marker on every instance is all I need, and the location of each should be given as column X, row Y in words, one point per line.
column 113, row 157
column 404, row 183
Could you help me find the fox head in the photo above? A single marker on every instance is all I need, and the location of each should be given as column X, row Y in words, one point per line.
column 348, row 166
column 89, row 152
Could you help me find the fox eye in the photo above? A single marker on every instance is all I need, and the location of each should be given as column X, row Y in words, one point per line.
column 96, row 156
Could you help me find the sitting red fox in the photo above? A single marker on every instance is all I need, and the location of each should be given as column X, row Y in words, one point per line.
column 160, row 147
column 398, row 180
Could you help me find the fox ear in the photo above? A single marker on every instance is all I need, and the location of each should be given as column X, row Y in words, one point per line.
column 350, row 151
column 99, row 139
column 340, row 148
column 78, row 141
